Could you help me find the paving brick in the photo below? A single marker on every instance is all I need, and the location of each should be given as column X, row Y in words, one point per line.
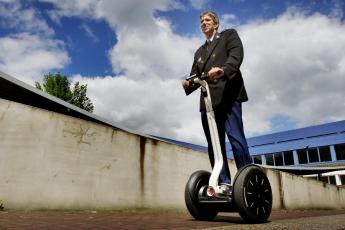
column 54, row 220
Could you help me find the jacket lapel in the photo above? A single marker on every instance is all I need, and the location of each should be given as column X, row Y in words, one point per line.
column 211, row 48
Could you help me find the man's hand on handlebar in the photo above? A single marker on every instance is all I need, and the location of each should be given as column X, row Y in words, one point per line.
column 215, row 73
column 185, row 84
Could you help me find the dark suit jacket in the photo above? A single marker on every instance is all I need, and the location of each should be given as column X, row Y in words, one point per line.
column 225, row 51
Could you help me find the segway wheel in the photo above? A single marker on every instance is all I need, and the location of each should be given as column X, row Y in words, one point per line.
column 253, row 194
column 199, row 211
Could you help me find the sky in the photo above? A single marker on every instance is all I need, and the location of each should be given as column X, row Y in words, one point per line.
column 133, row 55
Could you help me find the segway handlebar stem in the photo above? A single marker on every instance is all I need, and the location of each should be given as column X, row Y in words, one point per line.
column 218, row 158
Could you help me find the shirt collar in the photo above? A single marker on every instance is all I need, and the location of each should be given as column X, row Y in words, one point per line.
column 211, row 39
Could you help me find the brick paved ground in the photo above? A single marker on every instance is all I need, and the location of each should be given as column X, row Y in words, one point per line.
column 138, row 220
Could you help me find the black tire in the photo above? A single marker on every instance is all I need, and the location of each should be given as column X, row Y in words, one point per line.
column 199, row 211
column 253, row 194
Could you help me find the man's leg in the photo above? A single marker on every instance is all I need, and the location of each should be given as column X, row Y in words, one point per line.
column 224, row 176
column 235, row 133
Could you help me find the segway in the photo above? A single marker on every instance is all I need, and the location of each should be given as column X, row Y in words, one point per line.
column 251, row 195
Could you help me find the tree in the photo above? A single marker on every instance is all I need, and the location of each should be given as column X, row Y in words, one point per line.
column 56, row 85
column 79, row 97
column 59, row 86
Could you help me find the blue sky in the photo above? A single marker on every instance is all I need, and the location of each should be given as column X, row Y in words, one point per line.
column 88, row 41
column 133, row 54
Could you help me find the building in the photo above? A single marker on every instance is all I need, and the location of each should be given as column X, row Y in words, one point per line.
column 316, row 146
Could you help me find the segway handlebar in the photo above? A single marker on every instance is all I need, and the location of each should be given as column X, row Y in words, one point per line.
column 204, row 76
column 191, row 78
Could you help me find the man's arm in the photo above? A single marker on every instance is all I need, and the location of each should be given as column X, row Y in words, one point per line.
column 235, row 53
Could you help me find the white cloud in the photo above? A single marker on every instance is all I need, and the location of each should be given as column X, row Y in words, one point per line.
column 199, row 4
column 142, row 54
column 228, row 21
column 30, row 51
column 294, row 66
column 14, row 15
column 124, row 12
column 85, row 8
column 28, row 57
column 152, row 106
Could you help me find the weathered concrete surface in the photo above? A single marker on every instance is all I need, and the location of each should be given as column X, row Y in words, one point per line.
column 53, row 161
column 295, row 192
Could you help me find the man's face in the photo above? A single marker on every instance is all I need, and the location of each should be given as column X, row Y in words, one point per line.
column 208, row 26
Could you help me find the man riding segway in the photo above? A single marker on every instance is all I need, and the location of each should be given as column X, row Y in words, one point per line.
column 216, row 70
column 221, row 57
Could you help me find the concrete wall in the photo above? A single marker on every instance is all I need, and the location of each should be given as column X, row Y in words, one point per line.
column 49, row 160
column 53, row 161
column 295, row 192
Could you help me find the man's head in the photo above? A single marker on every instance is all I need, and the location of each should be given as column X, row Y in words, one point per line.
column 209, row 23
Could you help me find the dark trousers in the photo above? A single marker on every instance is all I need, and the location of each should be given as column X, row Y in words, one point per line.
column 229, row 122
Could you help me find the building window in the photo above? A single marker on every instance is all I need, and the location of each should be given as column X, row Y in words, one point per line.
column 269, row 159
column 288, row 158
column 257, row 159
column 332, row 180
column 340, row 151
column 342, row 179
column 278, row 159
column 302, row 156
column 325, row 153
column 313, row 155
